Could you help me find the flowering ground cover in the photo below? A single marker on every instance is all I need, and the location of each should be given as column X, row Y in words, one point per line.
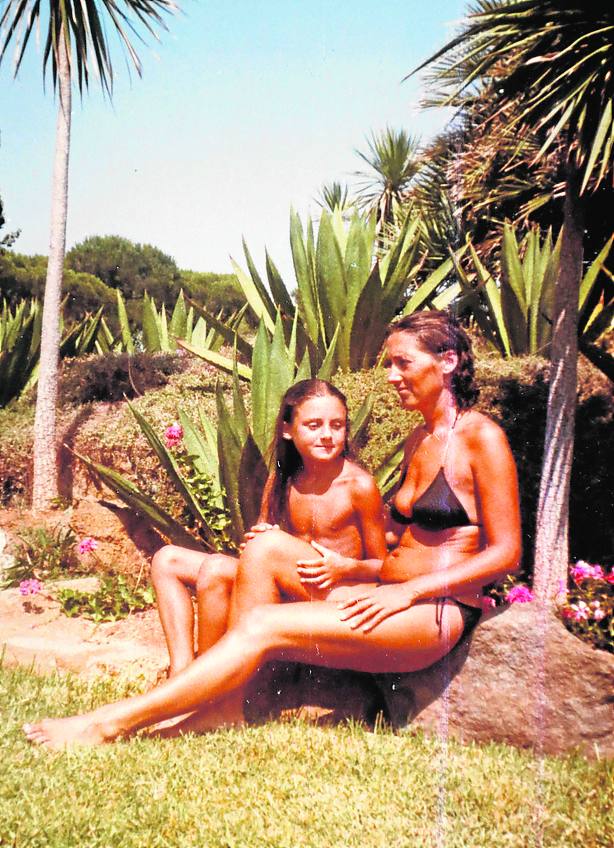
column 285, row 785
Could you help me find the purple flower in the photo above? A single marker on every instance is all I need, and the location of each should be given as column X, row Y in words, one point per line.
column 30, row 587
column 584, row 571
column 519, row 595
column 173, row 435
column 87, row 545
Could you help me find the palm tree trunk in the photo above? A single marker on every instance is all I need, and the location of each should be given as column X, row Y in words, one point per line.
column 45, row 485
column 552, row 541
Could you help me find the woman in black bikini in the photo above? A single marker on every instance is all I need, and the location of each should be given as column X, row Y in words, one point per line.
column 456, row 526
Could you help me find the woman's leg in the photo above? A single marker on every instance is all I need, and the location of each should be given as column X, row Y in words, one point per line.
column 302, row 632
column 176, row 573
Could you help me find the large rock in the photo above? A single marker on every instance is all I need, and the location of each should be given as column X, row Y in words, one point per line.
column 521, row 678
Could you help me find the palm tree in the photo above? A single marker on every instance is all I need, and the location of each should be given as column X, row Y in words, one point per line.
column 75, row 44
column 333, row 196
column 393, row 163
column 551, row 60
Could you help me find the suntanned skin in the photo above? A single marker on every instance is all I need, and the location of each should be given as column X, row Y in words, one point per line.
column 396, row 625
column 332, row 503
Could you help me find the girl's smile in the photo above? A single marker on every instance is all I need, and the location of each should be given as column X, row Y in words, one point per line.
column 318, row 428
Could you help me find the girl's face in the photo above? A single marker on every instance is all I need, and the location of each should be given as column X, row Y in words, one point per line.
column 318, row 428
column 417, row 375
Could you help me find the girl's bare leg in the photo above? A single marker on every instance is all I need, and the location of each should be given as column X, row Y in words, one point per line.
column 267, row 573
column 302, row 632
column 213, row 593
column 176, row 574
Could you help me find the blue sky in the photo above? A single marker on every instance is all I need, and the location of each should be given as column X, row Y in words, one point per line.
column 244, row 109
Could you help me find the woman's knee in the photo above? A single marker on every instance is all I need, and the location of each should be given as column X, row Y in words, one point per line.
column 216, row 574
column 259, row 627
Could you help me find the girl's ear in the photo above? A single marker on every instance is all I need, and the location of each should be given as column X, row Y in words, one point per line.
column 286, row 435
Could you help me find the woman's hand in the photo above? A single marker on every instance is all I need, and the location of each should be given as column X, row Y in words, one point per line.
column 329, row 568
column 257, row 528
column 371, row 607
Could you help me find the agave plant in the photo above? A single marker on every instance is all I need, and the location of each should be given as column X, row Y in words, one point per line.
column 345, row 297
column 222, row 467
column 20, row 339
column 516, row 312
column 20, row 333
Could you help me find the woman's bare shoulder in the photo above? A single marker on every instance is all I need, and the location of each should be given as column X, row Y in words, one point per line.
column 480, row 432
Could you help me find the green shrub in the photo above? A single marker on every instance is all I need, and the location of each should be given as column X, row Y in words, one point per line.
column 42, row 553
column 114, row 599
column 113, row 377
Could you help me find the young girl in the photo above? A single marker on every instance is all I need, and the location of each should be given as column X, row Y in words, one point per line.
column 314, row 493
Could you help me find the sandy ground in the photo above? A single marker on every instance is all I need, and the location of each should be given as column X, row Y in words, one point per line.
column 35, row 632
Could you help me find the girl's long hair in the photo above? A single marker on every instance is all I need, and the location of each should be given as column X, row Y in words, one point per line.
column 286, row 460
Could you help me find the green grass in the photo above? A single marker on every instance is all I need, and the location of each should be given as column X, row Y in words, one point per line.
column 284, row 784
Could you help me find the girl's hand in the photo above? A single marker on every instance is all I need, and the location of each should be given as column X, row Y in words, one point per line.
column 329, row 568
column 257, row 528
column 370, row 608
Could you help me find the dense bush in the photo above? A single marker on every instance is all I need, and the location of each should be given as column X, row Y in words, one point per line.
column 24, row 277
column 115, row 376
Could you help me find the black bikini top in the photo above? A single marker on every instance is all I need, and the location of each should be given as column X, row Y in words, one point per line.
column 437, row 508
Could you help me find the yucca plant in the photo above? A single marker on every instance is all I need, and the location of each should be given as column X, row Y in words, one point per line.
column 515, row 312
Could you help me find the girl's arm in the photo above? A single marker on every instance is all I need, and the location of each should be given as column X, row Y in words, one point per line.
column 332, row 567
column 263, row 523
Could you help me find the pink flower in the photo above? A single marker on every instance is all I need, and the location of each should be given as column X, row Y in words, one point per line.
column 173, row 435
column 598, row 614
column 519, row 595
column 584, row 571
column 487, row 604
column 609, row 578
column 580, row 611
column 87, row 545
column 30, row 587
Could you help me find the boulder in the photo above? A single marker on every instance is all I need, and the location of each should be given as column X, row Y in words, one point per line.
column 520, row 678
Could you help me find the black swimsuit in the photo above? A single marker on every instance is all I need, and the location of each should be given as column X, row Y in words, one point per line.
column 438, row 508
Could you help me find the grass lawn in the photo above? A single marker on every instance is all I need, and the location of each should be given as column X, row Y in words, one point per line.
column 284, row 784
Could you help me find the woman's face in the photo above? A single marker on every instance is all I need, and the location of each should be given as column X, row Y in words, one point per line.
column 417, row 375
column 318, row 428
